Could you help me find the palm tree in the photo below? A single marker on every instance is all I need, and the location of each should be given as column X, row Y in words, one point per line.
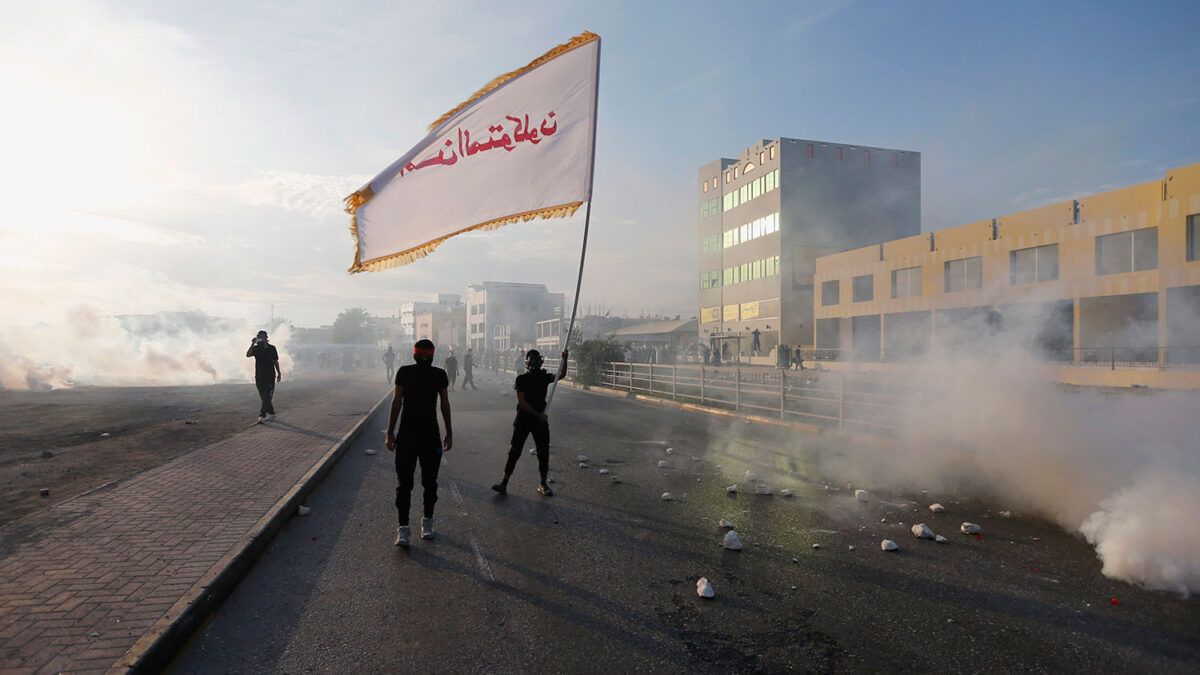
column 351, row 326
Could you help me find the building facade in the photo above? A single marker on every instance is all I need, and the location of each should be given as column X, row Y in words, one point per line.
column 409, row 311
column 1108, row 280
column 767, row 216
column 447, row 329
column 504, row 315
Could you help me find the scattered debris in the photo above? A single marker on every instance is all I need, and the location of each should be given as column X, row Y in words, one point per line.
column 785, row 492
column 732, row 489
column 582, row 458
column 105, row 435
column 732, row 541
column 191, row 421
column 705, row 589
column 667, row 496
column 862, row 496
column 583, row 465
column 816, row 547
column 1006, row 514
column 796, row 561
column 533, row 451
column 670, row 451
column 889, row 545
column 94, row 635
column 940, row 539
column 603, row 472
column 970, row 528
column 726, row 523
column 922, row 531
column 370, row 451
column 937, row 508
column 45, row 492
column 303, row 510
column 1114, row 601
column 662, row 463
column 851, row 547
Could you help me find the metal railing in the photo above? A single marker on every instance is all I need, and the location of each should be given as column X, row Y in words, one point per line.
column 831, row 399
column 1103, row 357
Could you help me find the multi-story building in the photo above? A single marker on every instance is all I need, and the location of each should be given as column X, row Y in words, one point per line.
column 447, row 329
column 1110, row 280
column 409, row 310
column 550, row 336
column 504, row 315
column 766, row 217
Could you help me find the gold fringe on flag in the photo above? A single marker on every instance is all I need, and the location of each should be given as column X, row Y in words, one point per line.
column 414, row 254
column 364, row 195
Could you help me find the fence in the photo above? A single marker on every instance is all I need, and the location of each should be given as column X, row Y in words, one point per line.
column 831, row 399
column 1103, row 357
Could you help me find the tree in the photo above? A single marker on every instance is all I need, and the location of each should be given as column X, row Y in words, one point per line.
column 591, row 355
column 351, row 326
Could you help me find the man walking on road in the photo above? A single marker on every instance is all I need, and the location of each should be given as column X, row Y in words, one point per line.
column 468, row 365
column 452, row 369
column 389, row 360
column 266, row 373
column 532, row 419
column 419, row 388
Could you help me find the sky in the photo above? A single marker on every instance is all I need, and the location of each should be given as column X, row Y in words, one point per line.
column 168, row 155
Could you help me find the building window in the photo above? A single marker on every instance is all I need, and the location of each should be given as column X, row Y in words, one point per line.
column 728, row 177
column 714, row 183
column 748, row 168
column 736, row 171
column 906, row 282
column 1031, row 265
column 762, row 157
column 705, row 186
column 830, row 292
column 1193, row 248
column 965, row 274
column 864, row 288
column 1134, row 251
column 771, row 152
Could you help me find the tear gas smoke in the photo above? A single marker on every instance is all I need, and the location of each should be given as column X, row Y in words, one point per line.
column 167, row 348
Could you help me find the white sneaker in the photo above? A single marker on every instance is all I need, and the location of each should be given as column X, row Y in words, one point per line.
column 261, row 419
column 402, row 535
column 427, row 528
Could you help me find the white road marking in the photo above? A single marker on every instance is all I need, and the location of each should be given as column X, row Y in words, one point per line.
column 481, row 561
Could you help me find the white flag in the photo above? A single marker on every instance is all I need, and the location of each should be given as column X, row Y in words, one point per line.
column 520, row 148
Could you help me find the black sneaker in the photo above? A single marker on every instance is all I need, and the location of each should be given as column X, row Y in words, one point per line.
column 500, row 488
column 545, row 490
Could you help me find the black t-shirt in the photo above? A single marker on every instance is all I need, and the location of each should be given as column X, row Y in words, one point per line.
column 421, row 387
column 467, row 363
column 265, row 357
column 451, row 365
column 533, row 384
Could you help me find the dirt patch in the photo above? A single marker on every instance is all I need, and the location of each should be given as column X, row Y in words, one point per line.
column 56, row 440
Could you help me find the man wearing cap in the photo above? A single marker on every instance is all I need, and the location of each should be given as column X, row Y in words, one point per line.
column 266, row 373
column 532, row 419
column 419, row 387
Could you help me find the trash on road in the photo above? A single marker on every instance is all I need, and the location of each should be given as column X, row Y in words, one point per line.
column 726, row 523
column 704, row 589
column 583, row 465
column 922, row 531
column 970, row 528
column 816, row 547
column 670, row 450
column 303, row 510
column 851, row 547
column 369, row 451
column 732, row 541
column 786, row 492
column 889, row 545
column 603, row 472
column 667, row 496
column 937, row 508
column 45, row 492
column 862, row 496
column 940, row 539
column 105, row 435
column 191, row 421
column 582, row 458
column 732, row 489
column 662, row 463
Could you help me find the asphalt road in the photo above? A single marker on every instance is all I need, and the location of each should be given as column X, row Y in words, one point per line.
column 602, row 576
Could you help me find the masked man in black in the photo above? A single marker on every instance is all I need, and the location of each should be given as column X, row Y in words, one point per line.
column 532, row 419
column 419, row 388
column 266, row 373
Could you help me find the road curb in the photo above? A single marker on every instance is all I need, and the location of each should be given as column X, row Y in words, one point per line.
column 679, row 405
column 155, row 650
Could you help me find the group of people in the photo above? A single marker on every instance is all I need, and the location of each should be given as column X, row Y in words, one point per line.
column 421, row 389
column 450, row 365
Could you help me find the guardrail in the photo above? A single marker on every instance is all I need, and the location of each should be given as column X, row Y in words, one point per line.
column 831, row 399
column 1101, row 357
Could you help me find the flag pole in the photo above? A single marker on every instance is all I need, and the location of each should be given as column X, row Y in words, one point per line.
column 587, row 220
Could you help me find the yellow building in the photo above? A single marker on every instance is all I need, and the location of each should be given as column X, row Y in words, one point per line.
column 1107, row 286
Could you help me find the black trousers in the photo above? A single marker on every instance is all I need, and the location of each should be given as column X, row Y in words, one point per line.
column 266, row 390
column 468, row 379
column 453, row 377
column 429, row 455
column 541, row 440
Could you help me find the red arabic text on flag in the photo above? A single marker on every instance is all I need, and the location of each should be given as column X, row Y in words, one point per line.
column 519, row 149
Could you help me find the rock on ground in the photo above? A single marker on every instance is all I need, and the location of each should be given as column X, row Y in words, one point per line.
column 582, row 458
column 785, row 492
column 726, row 523
column 862, row 496
column 662, row 463
column 970, row 528
column 937, row 508
column 603, row 472
column 732, row 541
column 704, row 589
column 732, row 488
column 667, row 496
column 940, row 539
column 922, row 531
column 889, row 545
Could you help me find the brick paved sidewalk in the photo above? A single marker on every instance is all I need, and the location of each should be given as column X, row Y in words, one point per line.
column 99, row 581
